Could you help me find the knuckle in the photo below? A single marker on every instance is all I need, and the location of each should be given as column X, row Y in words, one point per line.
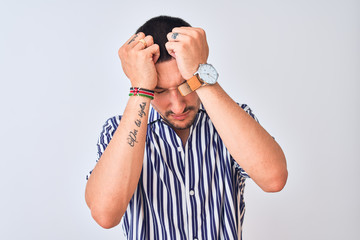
column 197, row 34
column 121, row 51
column 150, row 40
column 141, row 35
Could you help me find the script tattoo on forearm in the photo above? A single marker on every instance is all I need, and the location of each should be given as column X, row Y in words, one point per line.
column 133, row 39
column 132, row 137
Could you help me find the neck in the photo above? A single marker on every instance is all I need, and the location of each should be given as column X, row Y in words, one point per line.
column 183, row 134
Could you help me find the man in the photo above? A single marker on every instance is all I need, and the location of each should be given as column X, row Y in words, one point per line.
column 172, row 170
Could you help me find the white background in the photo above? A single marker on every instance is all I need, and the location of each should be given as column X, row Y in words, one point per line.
column 295, row 63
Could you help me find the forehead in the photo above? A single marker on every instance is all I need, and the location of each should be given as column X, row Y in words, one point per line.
column 168, row 74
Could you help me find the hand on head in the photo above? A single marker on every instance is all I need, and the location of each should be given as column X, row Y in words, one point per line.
column 139, row 55
column 189, row 47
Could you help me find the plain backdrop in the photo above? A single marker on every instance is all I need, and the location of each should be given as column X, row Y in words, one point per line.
column 295, row 63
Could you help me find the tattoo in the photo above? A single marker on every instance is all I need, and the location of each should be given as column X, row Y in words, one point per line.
column 133, row 39
column 132, row 138
column 137, row 122
column 142, row 108
column 133, row 134
column 174, row 35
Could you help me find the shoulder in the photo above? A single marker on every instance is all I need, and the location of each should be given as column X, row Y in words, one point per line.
column 109, row 128
column 112, row 122
column 106, row 134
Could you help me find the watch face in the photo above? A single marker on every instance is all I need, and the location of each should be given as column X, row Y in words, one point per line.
column 208, row 73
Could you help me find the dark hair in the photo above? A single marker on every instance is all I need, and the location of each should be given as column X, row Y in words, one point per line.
column 158, row 28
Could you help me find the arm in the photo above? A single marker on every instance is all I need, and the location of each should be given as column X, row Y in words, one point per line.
column 247, row 141
column 249, row 144
column 116, row 175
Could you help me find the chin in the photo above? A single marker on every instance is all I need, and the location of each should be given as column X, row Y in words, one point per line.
column 182, row 126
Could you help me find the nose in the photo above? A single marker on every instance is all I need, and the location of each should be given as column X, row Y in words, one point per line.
column 177, row 102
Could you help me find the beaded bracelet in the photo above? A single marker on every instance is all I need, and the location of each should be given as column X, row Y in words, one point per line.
column 135, row 91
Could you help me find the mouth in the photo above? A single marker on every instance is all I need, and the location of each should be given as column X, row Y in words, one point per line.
column 180, row 117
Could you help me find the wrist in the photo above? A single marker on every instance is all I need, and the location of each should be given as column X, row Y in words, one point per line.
column 145, row 83
column 141, row 92
column 206, row 74
column 190, row 73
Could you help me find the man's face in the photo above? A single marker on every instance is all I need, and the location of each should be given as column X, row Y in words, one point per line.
column 178, row 111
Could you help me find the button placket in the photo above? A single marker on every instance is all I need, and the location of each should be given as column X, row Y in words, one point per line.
column 185, row 196
column 190, row 196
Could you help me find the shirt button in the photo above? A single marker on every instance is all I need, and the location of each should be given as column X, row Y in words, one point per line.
column 179, row 149
column 192, row 192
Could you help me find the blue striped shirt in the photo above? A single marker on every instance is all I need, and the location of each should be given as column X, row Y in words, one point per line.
column 184, row 192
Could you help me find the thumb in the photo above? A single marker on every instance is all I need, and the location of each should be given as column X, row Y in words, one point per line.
column 170, row 49
column 155, row 52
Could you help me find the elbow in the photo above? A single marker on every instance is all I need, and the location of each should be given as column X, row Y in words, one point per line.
column 277, row 182
column 278, row 175
column 105, row 219
column 104, row 216
column 105, row 213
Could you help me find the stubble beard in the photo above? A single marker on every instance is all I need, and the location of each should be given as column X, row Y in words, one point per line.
column 177, row 126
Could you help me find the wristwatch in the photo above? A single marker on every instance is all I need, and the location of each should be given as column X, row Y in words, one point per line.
column 206, row 74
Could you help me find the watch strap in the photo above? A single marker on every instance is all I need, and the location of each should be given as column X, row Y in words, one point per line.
column 190, row 85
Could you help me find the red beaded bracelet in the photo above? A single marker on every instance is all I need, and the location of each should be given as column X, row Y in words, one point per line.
column 135, row 91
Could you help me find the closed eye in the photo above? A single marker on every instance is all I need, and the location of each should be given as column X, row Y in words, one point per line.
column 160, row 91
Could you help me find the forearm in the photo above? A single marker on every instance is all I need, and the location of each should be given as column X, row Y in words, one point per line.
column 116, row 175
column 249, row 144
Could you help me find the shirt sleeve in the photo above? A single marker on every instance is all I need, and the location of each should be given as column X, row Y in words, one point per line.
column 238, row 168
column 106, row 134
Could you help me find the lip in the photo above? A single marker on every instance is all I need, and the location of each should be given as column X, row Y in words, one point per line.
column 180, row 117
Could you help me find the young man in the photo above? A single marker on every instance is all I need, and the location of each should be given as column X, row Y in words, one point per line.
column 172, row 170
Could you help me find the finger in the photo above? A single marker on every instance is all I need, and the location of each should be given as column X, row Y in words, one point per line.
column 149, row 40
column 142, row 45
column 174, row 36
column 171, row 48
column 189, row 31
column 133, row 40
column 183, row 30
column 155, row 51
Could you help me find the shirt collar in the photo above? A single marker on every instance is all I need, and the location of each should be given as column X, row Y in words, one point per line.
column 153, row 115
